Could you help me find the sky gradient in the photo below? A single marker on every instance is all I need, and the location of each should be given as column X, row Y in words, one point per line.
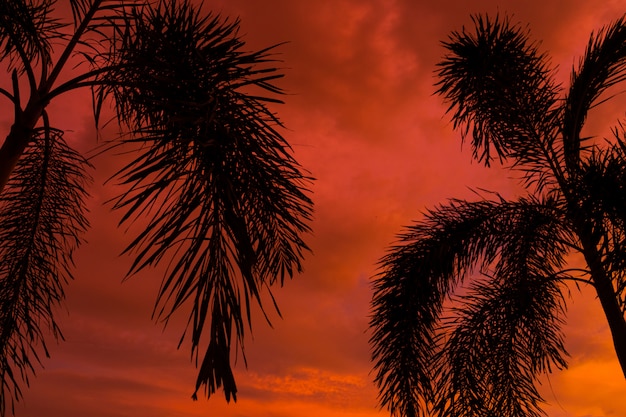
column 362, row 118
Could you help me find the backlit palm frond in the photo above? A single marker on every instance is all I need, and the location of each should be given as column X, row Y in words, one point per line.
column 26, row 29
column 79, row 9
column 224, row 195
column 41, row 220
column 507, row 330
column 99, row 22
column 417, row 276
column 499, row 90
column 602, row 66
column 82, row 8
column 601, row 186
column 495, row 355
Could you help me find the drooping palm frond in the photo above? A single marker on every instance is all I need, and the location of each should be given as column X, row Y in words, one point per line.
column 104, row 10
column 499, row 90
column 41, row 220
column 602, row 66
column 504, row 339
column 79, row 9
column 422, row 272
column 225, row 197
column 26, row 30
column 506, row 331
column 95, row 21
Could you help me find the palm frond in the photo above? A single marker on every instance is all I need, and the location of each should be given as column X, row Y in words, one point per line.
column 26, row 30
column 82, row 8
column 100, row 20
column 602, row 66
column 507, row 331
column 504, row 338
column 499, row 89
column 225, row 197
column 41, row 220
column 79, row 9
column 420, row 274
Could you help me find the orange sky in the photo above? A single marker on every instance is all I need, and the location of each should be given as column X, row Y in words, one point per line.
column 363, row 119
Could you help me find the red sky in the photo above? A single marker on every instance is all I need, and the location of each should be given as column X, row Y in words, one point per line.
column 363, row 119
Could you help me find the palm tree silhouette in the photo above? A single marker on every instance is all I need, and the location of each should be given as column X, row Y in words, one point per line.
column 468, row 306
column 226, row 202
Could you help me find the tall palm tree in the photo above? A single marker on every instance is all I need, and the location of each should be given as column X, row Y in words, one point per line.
column 468, row 306
column 225, row 201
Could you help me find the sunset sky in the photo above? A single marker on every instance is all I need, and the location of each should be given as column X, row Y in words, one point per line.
column 362, row 118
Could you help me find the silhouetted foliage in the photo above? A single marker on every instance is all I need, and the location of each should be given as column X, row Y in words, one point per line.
column 225, row 200
column 468, row 306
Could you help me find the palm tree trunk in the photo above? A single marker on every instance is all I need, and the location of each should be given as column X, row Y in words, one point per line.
column 615, row 318
column 608, row 299
column 17, row 140
column 11, row 151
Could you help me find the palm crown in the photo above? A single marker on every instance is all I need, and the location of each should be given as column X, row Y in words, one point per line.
column 225, row 200
column 469, row 305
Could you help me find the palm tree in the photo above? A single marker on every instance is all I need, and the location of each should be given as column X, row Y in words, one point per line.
column 468, row 306
column 225, row 201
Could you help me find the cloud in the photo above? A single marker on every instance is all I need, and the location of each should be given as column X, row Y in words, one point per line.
column 362, row 117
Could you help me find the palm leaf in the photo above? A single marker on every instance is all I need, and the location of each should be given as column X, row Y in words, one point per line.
column 421, row 273
column 499, row 89
column 506, row 331
column 26, row 30
column 41, row 220
column 225, row 198
column 602, row 66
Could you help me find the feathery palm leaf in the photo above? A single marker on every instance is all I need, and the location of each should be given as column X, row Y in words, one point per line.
column 226, row 198
column 26, row 29
column 41, row 220
column 421, row 273
column 602, row 66
column 223, row 193
column 506, row 331
column 499, row 89
column 506, row 335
